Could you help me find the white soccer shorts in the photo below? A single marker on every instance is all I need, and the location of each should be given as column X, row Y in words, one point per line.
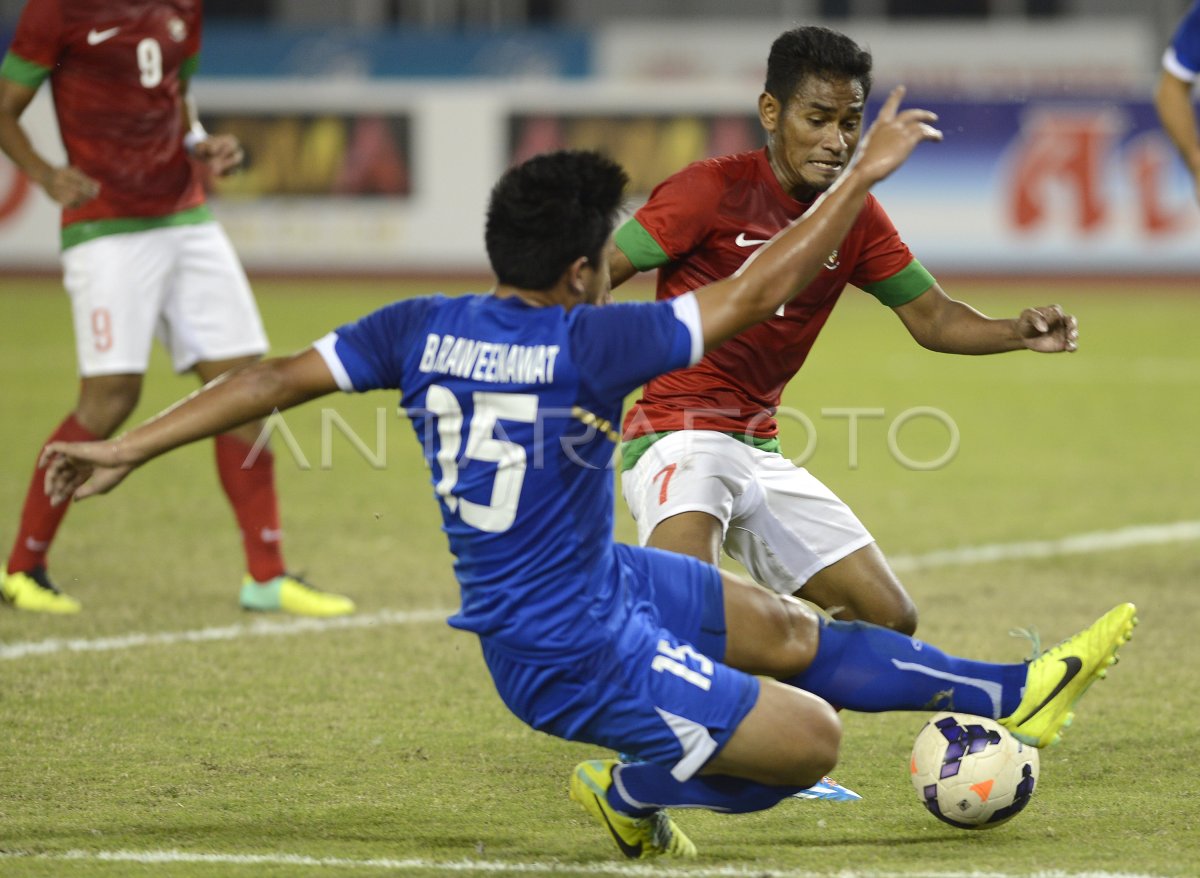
column 778, row 520
column 181, row 284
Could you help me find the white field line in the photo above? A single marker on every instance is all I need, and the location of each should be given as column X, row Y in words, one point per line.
column 1087, row 543
column 261, row 628
column 1079, row 544
column 500, row 868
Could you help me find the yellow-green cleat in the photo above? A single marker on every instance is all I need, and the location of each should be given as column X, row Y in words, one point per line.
column 291, row 594
column 1058, row 677
column 32, row 591
column 637, row 837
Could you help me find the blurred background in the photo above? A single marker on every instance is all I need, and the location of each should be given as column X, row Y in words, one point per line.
column 375, row 128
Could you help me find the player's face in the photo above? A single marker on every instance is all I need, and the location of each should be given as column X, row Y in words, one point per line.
column 812, row 138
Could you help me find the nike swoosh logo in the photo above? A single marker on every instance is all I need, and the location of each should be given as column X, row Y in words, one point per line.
column 96, row 37
column 1074, row 666
column 633, row 851
column 742, row 241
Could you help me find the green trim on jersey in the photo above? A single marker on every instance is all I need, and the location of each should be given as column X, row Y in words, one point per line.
column 639, row 246
column 632, row 451
column 77, row 233
column 23, row 71
column 189, row 66
column 903, row 286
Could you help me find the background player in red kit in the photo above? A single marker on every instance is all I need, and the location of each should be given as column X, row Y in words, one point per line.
column 142, row 256
column 701, row 467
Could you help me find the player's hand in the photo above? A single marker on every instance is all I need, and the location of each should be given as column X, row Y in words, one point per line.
column 221, row 152
column 1048, row 330
column 893, row 136
column 78, row 470
column 70, row 186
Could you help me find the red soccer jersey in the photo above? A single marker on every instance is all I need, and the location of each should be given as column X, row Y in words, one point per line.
column 115, row 71
column 706, row 221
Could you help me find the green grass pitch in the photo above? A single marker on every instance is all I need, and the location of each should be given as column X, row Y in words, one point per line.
column 382, row 749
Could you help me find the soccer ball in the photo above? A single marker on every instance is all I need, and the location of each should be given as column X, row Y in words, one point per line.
column 970, row 772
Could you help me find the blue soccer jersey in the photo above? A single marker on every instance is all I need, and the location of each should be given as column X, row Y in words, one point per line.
column 1182, row 58
column 515, row 407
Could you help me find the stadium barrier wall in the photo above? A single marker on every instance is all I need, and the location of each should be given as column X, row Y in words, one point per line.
column 378, row 177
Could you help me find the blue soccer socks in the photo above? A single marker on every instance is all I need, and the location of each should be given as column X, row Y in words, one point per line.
column 643, row 788
column 864, row 667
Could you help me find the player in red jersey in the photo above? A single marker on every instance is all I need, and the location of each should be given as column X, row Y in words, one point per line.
column 701, row 464
column 142, row 256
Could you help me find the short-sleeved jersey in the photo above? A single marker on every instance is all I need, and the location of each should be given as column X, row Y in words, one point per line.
column 514, row 406
column 115, row 68
column 699, row 226
column 1182, row 58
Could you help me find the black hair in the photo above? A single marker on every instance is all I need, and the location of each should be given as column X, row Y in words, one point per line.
column 547, row 212
column 814, row 51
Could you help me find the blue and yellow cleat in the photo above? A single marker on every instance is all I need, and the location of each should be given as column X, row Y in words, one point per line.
column 32, row 591
column 1058, row 677
column 828, row 790
column 291, row 594
column 636, row 837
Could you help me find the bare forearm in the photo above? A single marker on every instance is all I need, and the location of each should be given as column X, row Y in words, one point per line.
column 963, row 330
column 1173, row 101
column 17, row 146
column 230, row 401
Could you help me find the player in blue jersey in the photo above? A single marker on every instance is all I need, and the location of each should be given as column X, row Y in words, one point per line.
column 1173, row 97
column 514, row 396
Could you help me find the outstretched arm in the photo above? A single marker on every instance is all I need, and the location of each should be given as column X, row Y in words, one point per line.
column 946, row 325
column 1173, row 100
column 779, row 270
column 82, row 469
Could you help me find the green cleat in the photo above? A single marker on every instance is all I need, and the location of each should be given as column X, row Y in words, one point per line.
column 1058, row 677
column 291, row 594
column 637, row 837
column 32, row 591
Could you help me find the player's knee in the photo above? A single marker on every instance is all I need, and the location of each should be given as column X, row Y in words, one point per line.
column 768, row 634
column 889, row 607
column 791, row 640
column 900, row 616
column 908, row 623
column 821, row 734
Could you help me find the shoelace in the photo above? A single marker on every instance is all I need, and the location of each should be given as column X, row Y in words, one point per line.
column 1031, row 634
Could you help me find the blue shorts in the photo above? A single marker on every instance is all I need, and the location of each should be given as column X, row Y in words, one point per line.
column 653, row 690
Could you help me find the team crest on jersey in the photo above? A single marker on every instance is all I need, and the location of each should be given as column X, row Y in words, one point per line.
column 177, row 29
column 832, row 262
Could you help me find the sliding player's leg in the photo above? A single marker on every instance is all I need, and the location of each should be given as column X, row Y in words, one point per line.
column 697, row 615
column 704, row 734
column 785, row 743
column 864, row 667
